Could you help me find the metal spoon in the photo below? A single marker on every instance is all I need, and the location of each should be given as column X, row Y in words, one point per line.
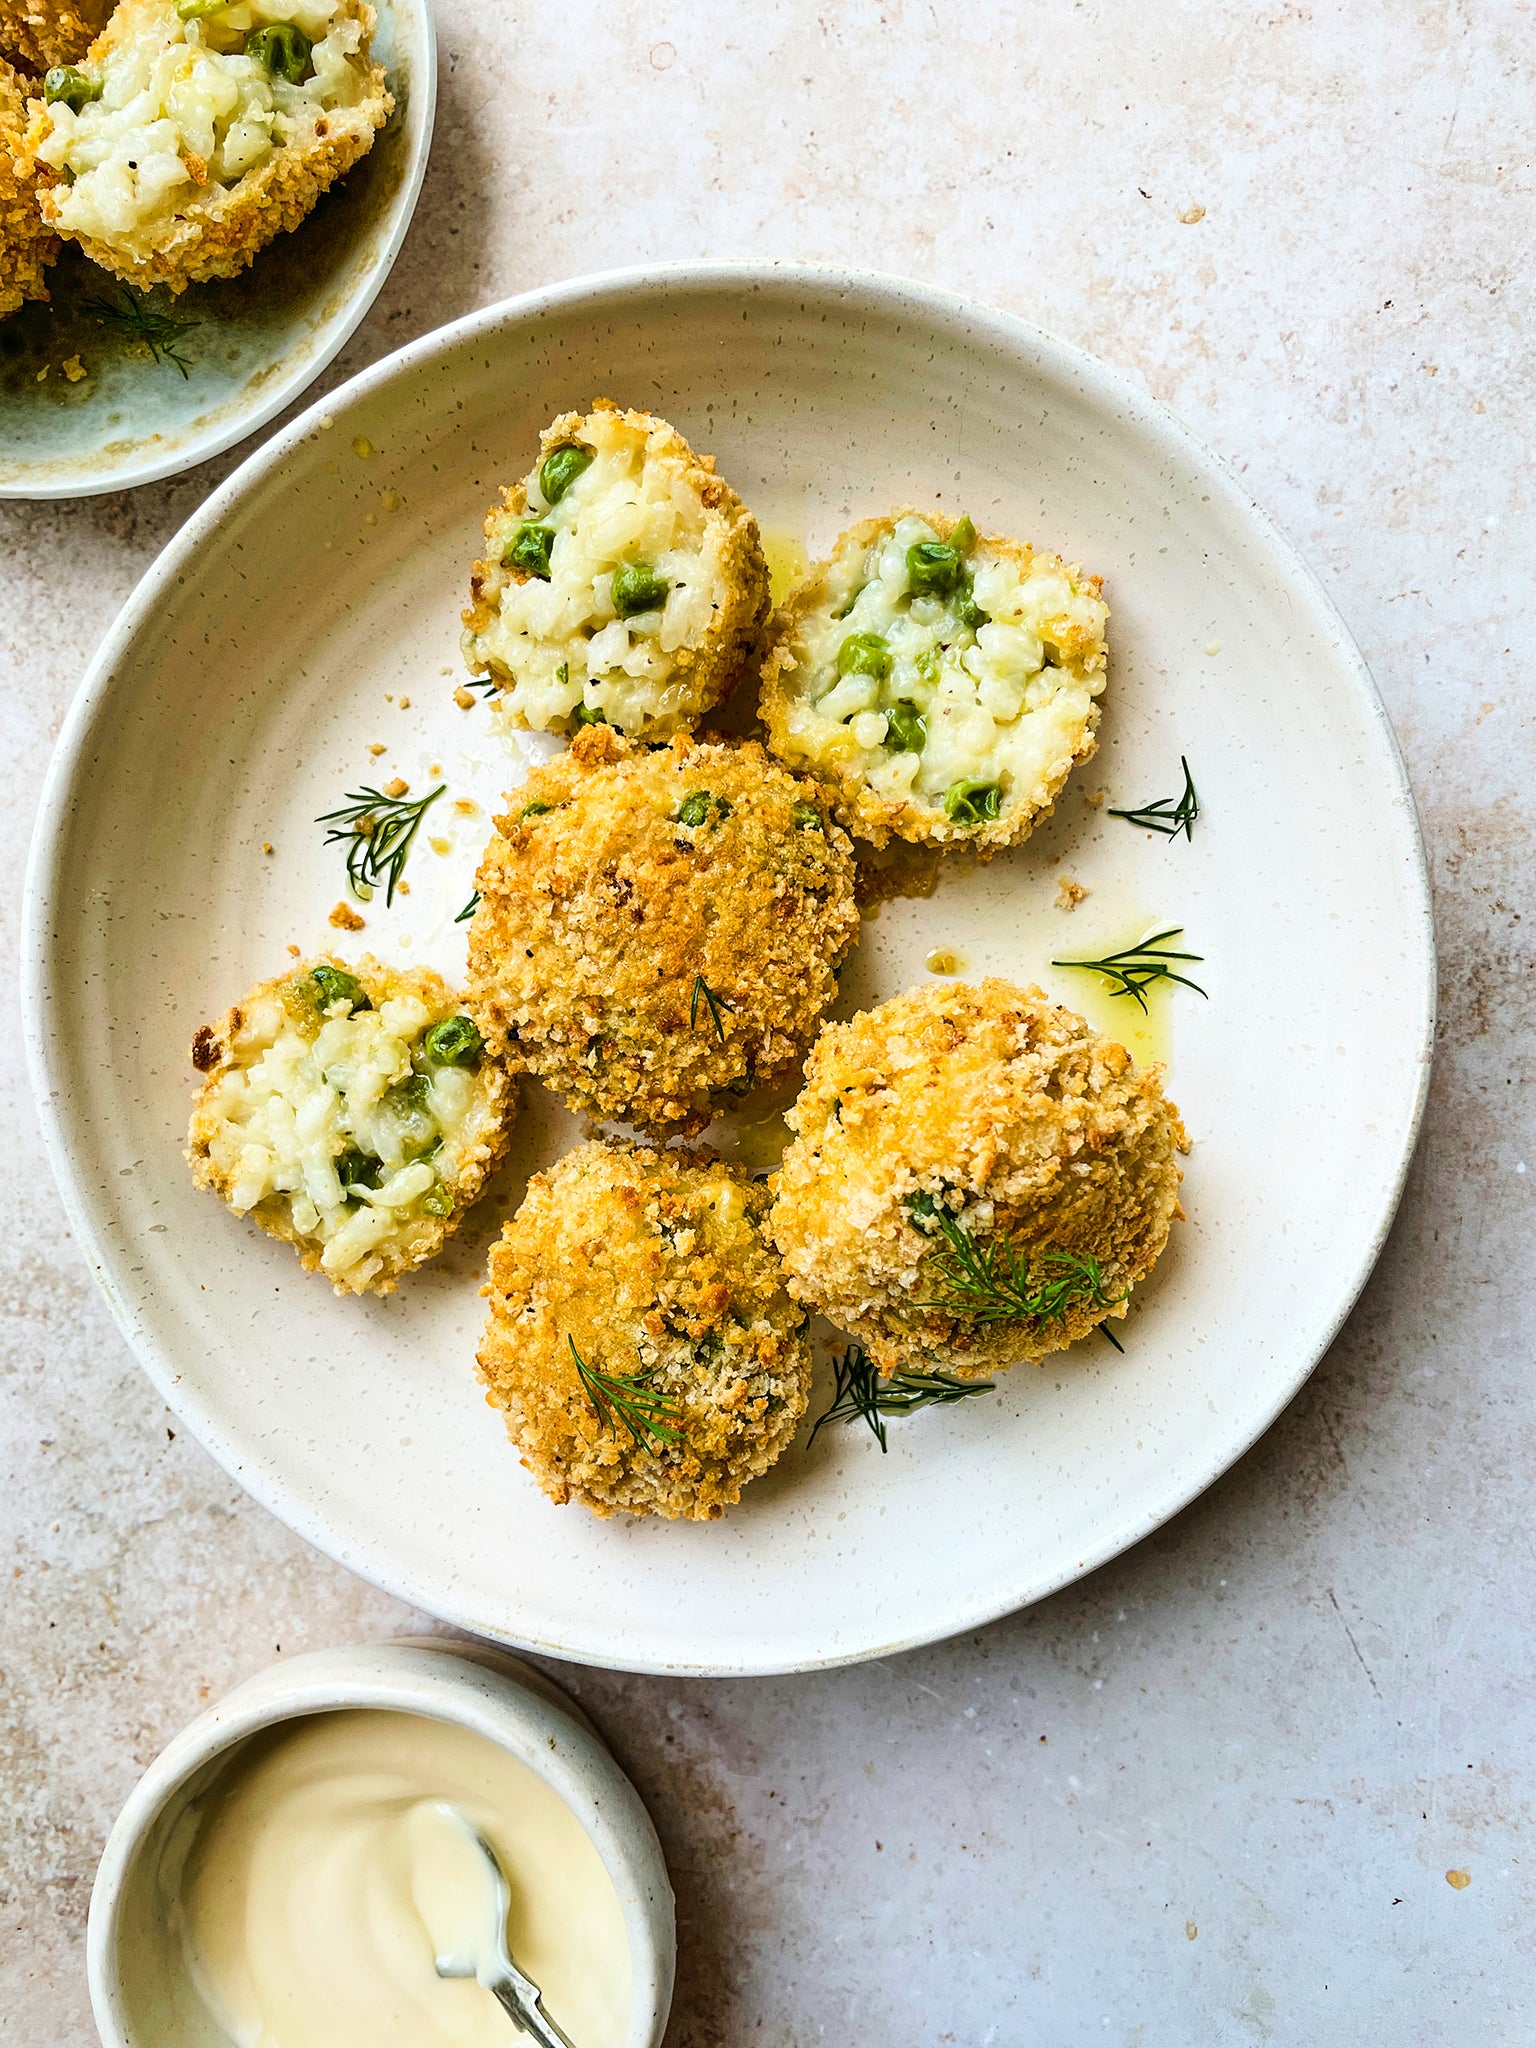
column 511, row 1987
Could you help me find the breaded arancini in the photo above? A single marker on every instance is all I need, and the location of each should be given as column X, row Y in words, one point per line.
column 354, row 1112
column 37, row 34
column 27, row 244
column 641, row 1344
column 188, row 145
column 979, row 1140
column 658, row 929
column 624, row 580
column 940, row 682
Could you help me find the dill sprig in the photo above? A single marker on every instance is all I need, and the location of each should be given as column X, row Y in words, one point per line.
column 860, row 1392
column 989, row 1281
column 377, row 831
column 1168, row 815
column 490, row 685
column 1135, row 968
column 469, row 909
column 160, row 334
column 716, row 1003
column 643, row 1411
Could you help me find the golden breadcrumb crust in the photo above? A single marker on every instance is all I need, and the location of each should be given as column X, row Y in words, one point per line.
column 27, row 244
column 215, row 1050
column 1011, row 1112
column 645, row 968
column 703, row 675
column 652, row 1265
column 220, row 233
column 880, row 818
column 37, row 34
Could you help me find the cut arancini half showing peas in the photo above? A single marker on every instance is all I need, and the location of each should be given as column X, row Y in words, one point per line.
column 941, row 683
column 354, row 1112
column 977, row 1179
column 193, row 132
column 623, row 581
column 27, row 244
column 641, row 1345
column 659, row 928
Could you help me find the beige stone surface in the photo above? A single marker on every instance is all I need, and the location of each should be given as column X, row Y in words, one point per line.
column 1211, row 1794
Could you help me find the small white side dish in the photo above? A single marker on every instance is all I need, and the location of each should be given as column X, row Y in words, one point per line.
column 141, row 1992
column 229, row 354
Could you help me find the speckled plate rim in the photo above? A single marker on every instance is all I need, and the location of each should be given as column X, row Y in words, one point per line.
column 233, row 421
column 1164, row 434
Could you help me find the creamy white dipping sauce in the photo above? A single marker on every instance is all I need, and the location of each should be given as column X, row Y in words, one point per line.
column 331, row 1865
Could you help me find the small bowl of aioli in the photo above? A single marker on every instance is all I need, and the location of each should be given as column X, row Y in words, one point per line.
column 280, row 1877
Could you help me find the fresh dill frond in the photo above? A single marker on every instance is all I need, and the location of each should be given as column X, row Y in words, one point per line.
column 1169, row 815
column 490, row 685
column 989, row 1281
column 1135, row 968
column 643, row 1411
column 160, row 334
column 860, row 1392
column 717, row 1003
column 377, row 831
column 469, row 909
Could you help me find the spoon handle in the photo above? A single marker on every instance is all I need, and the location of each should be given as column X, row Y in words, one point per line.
column 519, row 1995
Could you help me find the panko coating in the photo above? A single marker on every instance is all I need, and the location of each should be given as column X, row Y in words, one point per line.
column 641, row 1345
column 624, row 580
column 37, row 34
column 976, row 1179
column 179, row 147
column 940, row 682
column 27, row 244
column 354, row 1112
column 659, row 928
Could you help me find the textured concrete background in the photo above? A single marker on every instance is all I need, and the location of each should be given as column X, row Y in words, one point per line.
column 1213, row 1794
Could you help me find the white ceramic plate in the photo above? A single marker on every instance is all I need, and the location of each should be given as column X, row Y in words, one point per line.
column 243, row 347
column 235, row 700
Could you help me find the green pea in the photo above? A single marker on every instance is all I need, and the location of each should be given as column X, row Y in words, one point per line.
column 356, row 1169
column 638, row 588
column 694, row 808
column 455, row 1042
column 590, row 714
column 437, row 1201
column 864, row 654
column 973, row 803
column 407, row 1103
column 529, row 549
column 560, row 469
column 933, row 568
column 906, row 729
column 534, row 810
column 337, row 986
column 281, row 50
column 971, row 613
column 807, row 818
column 66, row 86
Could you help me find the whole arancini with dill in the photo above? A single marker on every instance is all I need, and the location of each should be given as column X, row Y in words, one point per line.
column 977, row 1178
column 641, row 1344
column 659, row 929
